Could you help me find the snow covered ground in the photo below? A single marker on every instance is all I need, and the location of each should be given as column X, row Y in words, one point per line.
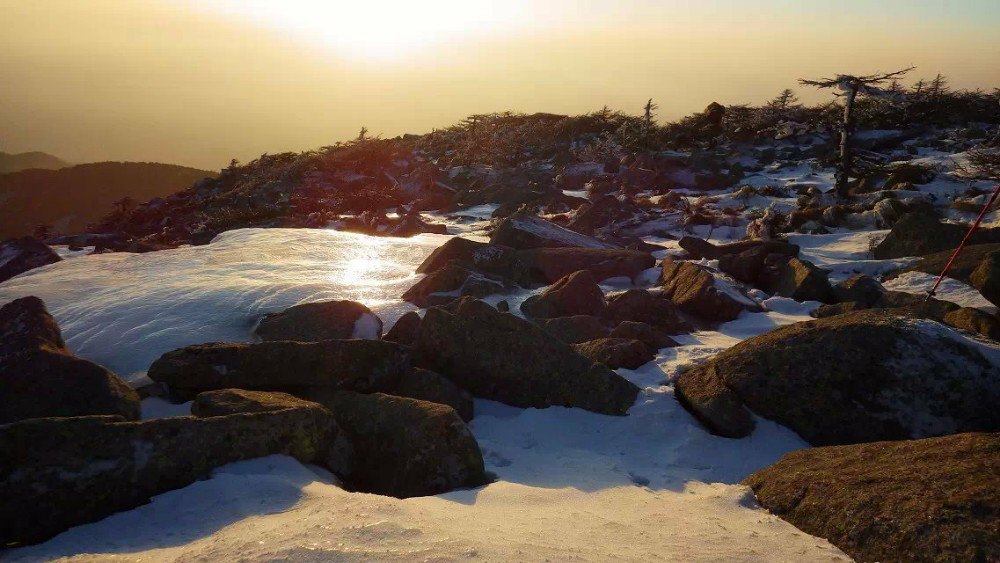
column 571, row 485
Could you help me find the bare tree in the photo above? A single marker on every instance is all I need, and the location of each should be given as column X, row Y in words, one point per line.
column 648, row 114
column 851, row 86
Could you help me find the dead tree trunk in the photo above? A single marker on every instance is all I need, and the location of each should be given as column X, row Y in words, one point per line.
column 843, row 174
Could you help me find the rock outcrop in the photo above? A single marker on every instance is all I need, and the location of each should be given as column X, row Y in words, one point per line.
column 355, row 365
column 18, row 255
column 857, row 377
column 501, row 357
column 324, row 320
column 40, row 377
column 922, row 500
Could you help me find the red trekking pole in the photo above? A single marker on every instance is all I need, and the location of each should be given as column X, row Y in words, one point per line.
column 968, row 235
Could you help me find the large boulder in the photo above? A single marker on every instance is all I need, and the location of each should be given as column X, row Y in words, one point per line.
column 575, row 294
column 18, row 255
column 574, row 329
column 859, row 288
column 56, row 473
column 405, row 447
column 504, row 358
column 453, row 281
column 548, row 265
column 525, row 230
column 323, row 320
column 493, row 259
column 917, row 234
column 697, row 291
column 935, row 499
column 356, row 365
column 699, row 248
column 40, row 377
column 795, row 278
column 604, row 212
column 426, row 385
column 222, row 402
column 963, row 266
column 858, row 377
column 969, row 319
column 652, row 337
column 405, row 330
column 643, row 306
column 616, row 352
column 986, row 277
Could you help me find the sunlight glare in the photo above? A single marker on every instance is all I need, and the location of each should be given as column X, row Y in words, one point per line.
column 383, row 28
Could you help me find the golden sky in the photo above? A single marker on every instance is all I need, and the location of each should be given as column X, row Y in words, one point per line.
column 201, row 82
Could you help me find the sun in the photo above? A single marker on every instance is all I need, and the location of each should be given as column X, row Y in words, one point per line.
column 383, row 29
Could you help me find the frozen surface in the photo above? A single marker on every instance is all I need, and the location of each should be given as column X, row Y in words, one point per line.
column 124, row 310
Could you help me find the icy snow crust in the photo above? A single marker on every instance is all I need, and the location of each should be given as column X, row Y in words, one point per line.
column 124, row 310
column 570, row 484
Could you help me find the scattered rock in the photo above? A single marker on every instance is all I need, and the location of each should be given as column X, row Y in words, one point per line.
column 986, row 277
column 697, row 291
column 324, row 320
column 493, row 259
column 57, row 473
column 917, row 234
column 795, row 278
column 652, row 337
column 640, row 305
column 604, row 212
column 616, row 352
column 405, row 447
column 18, row 255
column 860, row 288
column 548, row 265
column 405, row 330
column 575, row 329
column 700, row 248
column 575, row 294
column 425, row 385
column 453, row 281
column 922, row 500
column 857, row 377
column 356, row 365
column 504, row 358
column 40, row 377
column 525, row 230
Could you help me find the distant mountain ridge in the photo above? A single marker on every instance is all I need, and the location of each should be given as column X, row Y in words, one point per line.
column 68, row 199
column 23, row 161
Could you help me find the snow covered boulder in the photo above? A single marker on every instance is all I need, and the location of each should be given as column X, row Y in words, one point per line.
column 697, row 291
column 18, row 255
column 405, row 330
column 616, row 352
column 643, row 306
column 986, row 277
column 323, row 320
column 575, row 294
column 504, row 358
column 356, row 365
column 857, row 377
column 574, row 329
column 489, row 258
column 453, row 281
column 40, row 377
column 405, row 447
column 934, row 499
column 57, row 473
column 524, row 230
column 547, row 265
column 795, row 278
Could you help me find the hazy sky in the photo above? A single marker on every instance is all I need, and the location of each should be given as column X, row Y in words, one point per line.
column 199, row 82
